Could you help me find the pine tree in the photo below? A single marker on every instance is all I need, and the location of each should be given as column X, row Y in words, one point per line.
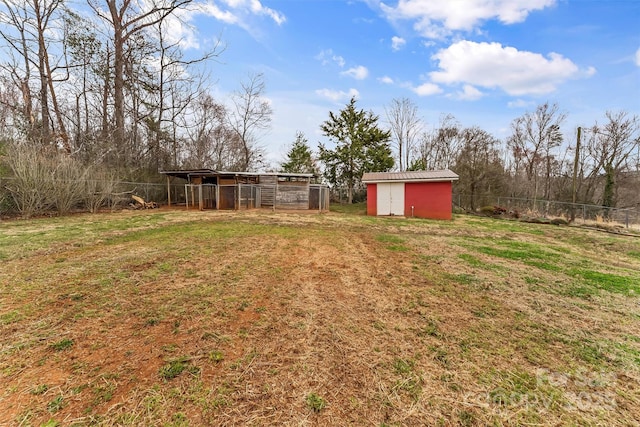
column 361, row 146
column 300, row 158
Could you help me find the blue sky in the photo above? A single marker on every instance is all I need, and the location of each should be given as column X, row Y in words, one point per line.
column 484, row 61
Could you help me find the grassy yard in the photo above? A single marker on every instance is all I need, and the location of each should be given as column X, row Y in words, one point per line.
column 183, row 318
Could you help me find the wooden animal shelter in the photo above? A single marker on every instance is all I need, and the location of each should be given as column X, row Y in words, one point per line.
column 210, row 189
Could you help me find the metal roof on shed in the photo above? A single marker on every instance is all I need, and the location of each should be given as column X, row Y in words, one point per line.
column 413, row 176
column 186, row 173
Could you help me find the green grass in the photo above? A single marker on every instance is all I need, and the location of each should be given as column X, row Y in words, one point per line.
column 175, row 367
column 472, row 260
column 62, row 344
column 608, row 281
column 555, row 258
column 56, row 404
column 64, row 232
column 315, row 402
column 394, row 242
column 350, row 209
column 169, row 318
column 389, row 238
column 500, row 225
column 528, row 253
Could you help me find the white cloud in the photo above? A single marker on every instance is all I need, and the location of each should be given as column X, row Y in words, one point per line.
column 259, row 9
column 255, row 7
column 213, row 10
column 492, row 65
column 176, row 29
column 326, row 56
column 337, row 95
column 240, row 12
column 359, row 73
column 638, row 57
column 427, row 89
column 469, row 93
column 397, row 43
column 520, row 103
column 386, row 80
column 439, row 18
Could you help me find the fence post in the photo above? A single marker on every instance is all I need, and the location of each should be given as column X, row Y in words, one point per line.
column 584, row 214
column 626, row 215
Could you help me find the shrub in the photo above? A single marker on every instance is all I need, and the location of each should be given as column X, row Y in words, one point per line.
column 44, row 180
column 492, row 210
column 30, row 186
column 98, row 187
column 559, row 221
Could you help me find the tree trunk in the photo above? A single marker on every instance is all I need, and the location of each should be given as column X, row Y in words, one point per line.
column 45, row 132
column 118, row 87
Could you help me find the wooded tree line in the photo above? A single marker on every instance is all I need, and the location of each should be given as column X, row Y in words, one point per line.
column 112, row 86
column 600, row 164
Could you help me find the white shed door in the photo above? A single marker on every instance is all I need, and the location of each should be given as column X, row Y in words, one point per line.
column 390, row 198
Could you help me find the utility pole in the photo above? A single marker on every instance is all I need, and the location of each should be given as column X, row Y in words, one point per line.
column 575, row 175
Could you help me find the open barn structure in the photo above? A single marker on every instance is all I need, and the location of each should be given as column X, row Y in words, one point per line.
column 211, row 189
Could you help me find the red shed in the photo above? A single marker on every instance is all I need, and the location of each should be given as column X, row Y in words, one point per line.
column 420, row 194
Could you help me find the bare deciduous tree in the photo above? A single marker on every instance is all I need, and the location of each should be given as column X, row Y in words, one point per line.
column 405, row 125
column 611, row 147
column 439, row 148
column 211, row 143
column 479, row 165
column 128, row 18
column 250, row 113
column 533, row 140
column 27, row 29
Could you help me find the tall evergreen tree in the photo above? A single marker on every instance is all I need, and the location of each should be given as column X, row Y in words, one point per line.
column 361, row 146
column 299, row 157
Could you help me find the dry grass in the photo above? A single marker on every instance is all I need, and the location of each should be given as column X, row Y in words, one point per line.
column 253, row 318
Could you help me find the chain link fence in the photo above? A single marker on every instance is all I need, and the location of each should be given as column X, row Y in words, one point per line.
column 118, row 194
column 580, row 213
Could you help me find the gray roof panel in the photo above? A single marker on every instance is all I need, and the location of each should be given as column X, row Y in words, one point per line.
column 415, row 176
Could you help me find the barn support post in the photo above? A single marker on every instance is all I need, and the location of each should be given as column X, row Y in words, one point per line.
column 275, row 196
column 200, row 197
column 168, row 190
column 186, row 194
